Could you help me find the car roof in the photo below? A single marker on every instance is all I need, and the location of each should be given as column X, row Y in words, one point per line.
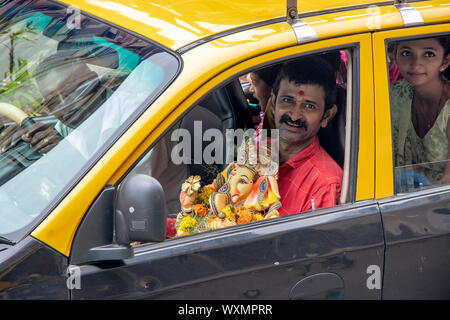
column 177, row 23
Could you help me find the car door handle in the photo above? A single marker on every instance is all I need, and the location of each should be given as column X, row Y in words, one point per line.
column 320, row 286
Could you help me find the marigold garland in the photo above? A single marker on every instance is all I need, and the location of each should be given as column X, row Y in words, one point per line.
column 201, row 218
column 205, row 194
column 200, row 210
column 229, row 214
column 257, row 217
column 244, row 217
column 187, row 222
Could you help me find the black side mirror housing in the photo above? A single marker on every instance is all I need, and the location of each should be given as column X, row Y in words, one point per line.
column 94, row 241
column 140, row 213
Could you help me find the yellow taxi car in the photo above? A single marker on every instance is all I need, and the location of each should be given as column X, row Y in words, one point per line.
column 91, row 94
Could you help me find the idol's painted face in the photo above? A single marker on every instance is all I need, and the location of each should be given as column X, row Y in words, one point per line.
column 300, row 112
column 241, row 183
column 421, row 61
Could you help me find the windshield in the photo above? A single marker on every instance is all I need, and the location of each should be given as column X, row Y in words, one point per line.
column 69, row 85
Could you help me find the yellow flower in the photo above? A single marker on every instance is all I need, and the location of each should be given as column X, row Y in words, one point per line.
column 257, row 217
column 204, row 195
column 229, row 213
column 187, row 222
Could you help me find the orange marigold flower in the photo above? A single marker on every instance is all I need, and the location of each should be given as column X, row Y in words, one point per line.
column 245, row 216
column 200, row 210
column 212, row 186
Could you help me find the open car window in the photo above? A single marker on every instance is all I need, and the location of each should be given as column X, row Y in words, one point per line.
column 418, row 67
column 196, row 154
column 69, row 83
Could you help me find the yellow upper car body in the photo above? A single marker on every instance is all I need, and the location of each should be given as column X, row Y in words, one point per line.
column 211, row 44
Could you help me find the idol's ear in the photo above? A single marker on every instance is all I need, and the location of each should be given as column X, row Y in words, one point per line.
column 254, row 199
column 226, row 173
column 264, row 193
column 273, row 186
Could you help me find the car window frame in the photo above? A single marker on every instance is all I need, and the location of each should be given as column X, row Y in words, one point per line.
column 384, row 175
column 243, row 68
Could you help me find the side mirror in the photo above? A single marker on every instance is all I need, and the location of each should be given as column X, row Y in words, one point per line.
column 137, row 214
column 140, row 213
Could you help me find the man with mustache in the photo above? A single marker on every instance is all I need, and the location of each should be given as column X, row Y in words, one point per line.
column 305, row 100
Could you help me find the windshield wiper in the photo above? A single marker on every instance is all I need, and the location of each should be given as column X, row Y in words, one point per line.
column 6, row 241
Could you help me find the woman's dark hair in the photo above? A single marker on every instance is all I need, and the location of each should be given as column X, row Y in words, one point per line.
column 309, row 70
column 269, row 74
column 445, row 43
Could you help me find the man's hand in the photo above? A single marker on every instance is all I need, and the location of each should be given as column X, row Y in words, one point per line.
column 9, row 136
column 41, row 137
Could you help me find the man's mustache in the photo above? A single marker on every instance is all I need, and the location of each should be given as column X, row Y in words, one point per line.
column 288, row 120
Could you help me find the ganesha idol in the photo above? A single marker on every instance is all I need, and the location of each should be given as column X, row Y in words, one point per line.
column 246, row 191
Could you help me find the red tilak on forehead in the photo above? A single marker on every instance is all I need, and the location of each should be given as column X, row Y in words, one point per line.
column 301, row 92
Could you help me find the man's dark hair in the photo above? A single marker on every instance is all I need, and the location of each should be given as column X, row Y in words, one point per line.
column 309, row 70
column 333, row 58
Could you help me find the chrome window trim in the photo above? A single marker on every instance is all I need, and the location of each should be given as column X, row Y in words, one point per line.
column 410, row 15
column 303, row 31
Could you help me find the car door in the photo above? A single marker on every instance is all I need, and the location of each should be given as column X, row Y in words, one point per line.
column 332, row 253
column 415, row 214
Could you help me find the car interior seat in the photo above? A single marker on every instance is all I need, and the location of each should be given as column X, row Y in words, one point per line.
column 222, row 110
column 332, row 137
column 239, row 103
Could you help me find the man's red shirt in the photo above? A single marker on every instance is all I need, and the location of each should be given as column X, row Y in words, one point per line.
column 309, row 176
